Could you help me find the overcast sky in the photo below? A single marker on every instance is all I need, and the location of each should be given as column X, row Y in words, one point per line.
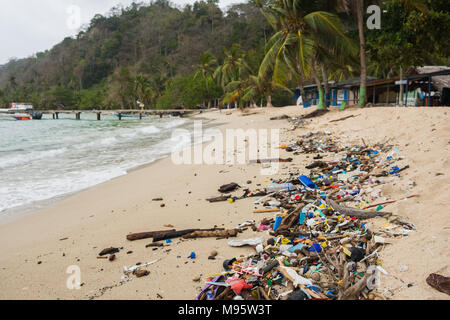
column 30, row 26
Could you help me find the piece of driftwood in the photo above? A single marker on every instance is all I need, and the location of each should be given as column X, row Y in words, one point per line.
column 218, row 199
column 178, row 234
column 391, row 201
column 271, row 160
column 315, row 113
column 224, row 294
column 293, row 217
column 266, row 210
column 107, row 251
column 263, row 293
column 353, row 212
column 153, row 245
column 212, row 234
column 283, row 117
column 228, row 188
column 146, row 235
column 344, row 118
column 439, row 282
column 354, row 291
column 358, row 213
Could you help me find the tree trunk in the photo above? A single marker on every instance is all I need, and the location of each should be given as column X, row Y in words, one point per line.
column 362, row 51
column 325, row 79
column 302, row 91
column 209, row 104
column 400, row 98
column 321, row 105
column 300, row 81
column 269, row 101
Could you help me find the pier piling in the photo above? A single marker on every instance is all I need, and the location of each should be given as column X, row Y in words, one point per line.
column 120, row 113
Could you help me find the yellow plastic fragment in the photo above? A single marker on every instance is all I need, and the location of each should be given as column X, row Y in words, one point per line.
column 346, row 251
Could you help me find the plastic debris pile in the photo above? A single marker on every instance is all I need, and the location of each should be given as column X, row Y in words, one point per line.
column 319, row 243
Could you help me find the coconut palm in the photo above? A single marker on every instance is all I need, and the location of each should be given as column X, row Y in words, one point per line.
column 143, row 90
column 206, row 69
column 233, row 66
column 356, row 9
column 234, row 69
column 302, row 39
column 252, row 88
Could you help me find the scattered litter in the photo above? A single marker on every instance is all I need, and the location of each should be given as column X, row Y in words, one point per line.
column 320, row 245
column 247, row 242
column 136, row 267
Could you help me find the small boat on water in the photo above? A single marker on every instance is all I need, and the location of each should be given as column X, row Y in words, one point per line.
column 14, row 114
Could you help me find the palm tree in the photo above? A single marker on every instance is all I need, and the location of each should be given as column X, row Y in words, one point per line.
column 356, row 9
column 143, row 89
column 234, row 68
column 206, row 69
column 311, row 34
column 252, row 88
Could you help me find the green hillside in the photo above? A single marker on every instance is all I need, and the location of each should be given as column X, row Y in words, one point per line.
column 165, row 56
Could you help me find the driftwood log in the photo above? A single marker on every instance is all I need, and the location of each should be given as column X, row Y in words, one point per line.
column 218, row 199
column 212, row 234
column 354, row 291
column 344, row 118
column 260, row 161
column 177, row 234
column 146, row 235
column 358, row 213
column 353, row 212
column 107, row 251
column 267, row 210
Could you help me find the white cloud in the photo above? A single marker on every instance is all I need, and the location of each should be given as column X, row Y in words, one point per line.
column 30, row 26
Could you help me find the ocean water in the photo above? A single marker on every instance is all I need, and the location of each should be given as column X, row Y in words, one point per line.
column 43, row 159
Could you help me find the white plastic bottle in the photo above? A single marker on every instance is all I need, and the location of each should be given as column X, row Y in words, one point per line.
column 275, row 187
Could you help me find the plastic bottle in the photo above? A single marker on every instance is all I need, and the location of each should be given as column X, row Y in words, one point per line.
column 277, row 223
column 275, row 187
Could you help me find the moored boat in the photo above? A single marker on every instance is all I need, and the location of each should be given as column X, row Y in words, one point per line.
column 14, row 116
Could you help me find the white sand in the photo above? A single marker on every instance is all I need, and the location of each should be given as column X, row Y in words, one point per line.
column 101, row 217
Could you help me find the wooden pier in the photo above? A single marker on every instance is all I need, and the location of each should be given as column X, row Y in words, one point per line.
column 119, row 113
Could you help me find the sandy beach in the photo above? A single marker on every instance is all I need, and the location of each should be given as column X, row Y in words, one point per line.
column 37, row 248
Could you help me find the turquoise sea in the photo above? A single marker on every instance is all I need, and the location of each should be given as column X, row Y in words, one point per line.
column 42, row 159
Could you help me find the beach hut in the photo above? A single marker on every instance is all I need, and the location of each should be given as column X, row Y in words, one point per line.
column 424, row 86
column 427, row 86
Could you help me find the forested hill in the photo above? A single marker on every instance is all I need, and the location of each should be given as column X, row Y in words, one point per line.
column 153, row 43
column 167, row 56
